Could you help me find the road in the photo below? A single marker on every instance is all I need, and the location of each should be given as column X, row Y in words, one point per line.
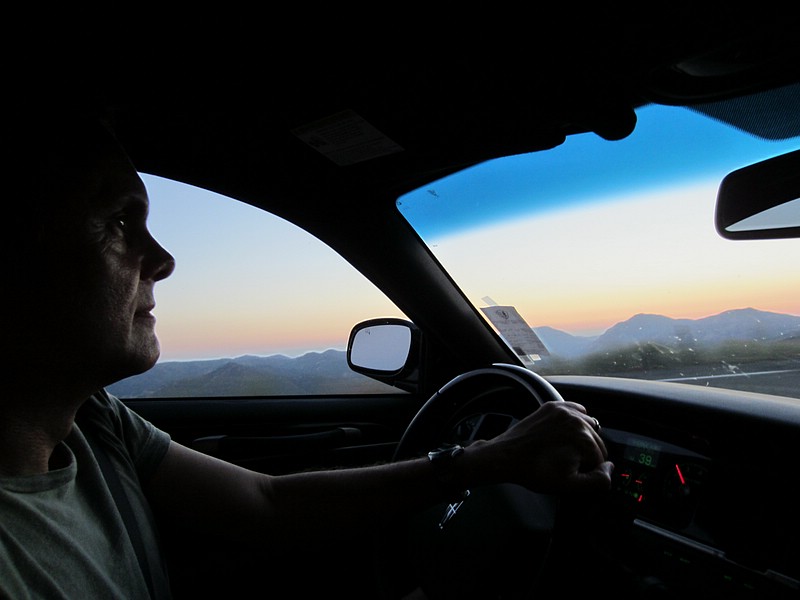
column 777, row 381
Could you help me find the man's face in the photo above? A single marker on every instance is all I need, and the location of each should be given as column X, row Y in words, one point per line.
column 96, row 272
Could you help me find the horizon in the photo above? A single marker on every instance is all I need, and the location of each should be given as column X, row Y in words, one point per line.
column 534, row 327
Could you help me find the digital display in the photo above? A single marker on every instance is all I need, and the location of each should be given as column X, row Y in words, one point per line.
column 642, row 453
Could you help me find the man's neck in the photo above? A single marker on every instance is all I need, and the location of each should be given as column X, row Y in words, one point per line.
column 29, row 435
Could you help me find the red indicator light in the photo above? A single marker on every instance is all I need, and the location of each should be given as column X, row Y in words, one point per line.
column 640, row 499
column 680, row 475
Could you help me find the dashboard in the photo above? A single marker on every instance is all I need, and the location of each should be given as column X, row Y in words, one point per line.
column 666, row 520
column 702, row 498
column 657, row 480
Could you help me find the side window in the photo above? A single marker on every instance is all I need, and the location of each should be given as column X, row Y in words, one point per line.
column 256, row 306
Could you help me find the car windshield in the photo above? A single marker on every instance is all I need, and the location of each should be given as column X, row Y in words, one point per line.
column 608, row 253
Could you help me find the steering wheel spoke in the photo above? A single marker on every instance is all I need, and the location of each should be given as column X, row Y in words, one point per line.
column 494, row 538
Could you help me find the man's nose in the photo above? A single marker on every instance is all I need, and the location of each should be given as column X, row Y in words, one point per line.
column 159, row 263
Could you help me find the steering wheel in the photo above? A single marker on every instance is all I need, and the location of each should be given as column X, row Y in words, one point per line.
column 499, row 533
column 503, row 387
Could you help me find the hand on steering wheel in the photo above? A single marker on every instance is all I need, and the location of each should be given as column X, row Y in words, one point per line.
column 556, row 450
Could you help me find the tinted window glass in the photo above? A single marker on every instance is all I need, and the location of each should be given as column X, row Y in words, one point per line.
column 608, row 251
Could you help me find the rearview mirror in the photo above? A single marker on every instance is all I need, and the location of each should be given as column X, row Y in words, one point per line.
column 386, row 350
column 761, row 201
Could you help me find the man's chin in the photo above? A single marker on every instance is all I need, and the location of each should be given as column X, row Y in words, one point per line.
column 137, row 362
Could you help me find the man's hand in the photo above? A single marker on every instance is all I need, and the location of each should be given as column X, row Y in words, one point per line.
column 556, row 449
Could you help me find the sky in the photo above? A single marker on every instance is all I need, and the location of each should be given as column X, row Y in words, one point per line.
column 679, row 266
column 655, row 190
column 249, row 283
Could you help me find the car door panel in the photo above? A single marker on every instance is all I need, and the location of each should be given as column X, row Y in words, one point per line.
column 270, row 434
column 277, row 435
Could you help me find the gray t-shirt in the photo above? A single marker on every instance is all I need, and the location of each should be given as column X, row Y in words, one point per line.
column 61, row 534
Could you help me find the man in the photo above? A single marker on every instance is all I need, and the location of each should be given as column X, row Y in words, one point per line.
column 83, row 267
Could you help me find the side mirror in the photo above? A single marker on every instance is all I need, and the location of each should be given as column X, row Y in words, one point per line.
column 761, row 201
column 386, row 350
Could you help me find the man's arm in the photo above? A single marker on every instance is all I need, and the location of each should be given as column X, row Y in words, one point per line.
column 553, row 450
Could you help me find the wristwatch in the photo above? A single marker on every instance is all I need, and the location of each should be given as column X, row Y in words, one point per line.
column 441, row 459
column 445, row 454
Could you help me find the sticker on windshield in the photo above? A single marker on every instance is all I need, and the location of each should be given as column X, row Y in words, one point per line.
column 516, row 332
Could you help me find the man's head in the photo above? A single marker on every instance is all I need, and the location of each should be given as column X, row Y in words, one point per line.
column 82, row 262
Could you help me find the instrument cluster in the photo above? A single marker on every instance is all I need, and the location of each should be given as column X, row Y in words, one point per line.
column 656, row 480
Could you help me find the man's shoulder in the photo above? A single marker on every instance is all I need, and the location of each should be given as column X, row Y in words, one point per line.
column 99, row 409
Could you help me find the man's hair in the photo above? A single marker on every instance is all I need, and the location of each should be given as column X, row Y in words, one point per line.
column 45, row 154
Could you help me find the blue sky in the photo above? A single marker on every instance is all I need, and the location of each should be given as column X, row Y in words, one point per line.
column 678, row 143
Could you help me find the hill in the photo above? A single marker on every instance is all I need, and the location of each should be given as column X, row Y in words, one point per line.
column 740, row 325
column 313, row 373
column 642, row 337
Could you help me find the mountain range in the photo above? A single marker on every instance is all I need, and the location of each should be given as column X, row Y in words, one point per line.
column 248, row 375
column 318, row 372
column 739, row 325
